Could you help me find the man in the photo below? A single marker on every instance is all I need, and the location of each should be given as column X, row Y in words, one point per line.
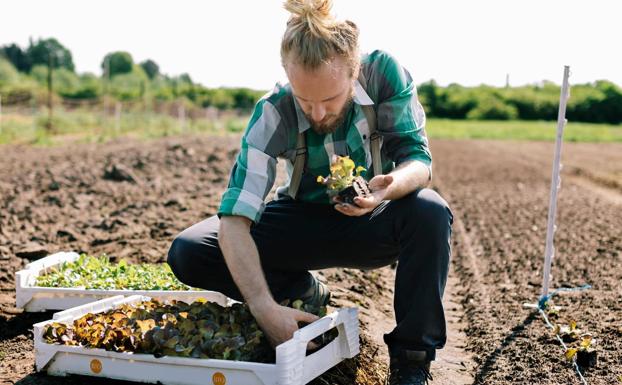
column 262, row 253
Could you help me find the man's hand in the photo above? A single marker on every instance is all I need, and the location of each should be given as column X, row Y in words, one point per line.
column 280, row 322
column 379, row 186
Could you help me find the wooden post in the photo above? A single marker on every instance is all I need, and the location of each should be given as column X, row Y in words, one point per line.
column 181, row 115
column 117, row 117
column 50, row 113
column 33, row 111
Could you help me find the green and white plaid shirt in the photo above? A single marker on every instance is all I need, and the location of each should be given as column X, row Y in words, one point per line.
column 277, row 119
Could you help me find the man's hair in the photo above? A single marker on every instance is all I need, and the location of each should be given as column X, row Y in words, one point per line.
column 313, row 36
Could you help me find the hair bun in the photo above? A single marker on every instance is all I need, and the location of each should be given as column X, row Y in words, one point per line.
column 316, row 13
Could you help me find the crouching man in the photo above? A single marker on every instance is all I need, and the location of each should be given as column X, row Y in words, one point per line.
column 338, row 102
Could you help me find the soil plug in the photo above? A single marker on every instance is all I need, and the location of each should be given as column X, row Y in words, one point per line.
column 345, row 181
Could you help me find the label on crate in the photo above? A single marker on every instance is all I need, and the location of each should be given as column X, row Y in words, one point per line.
column 219, row 379
column 96, row 366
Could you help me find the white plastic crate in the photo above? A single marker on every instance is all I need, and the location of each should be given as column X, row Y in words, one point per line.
column 36, row 298
column 292, row 366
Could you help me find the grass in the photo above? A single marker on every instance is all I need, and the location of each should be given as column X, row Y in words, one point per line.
column 83, row 126
column 521, row 130
column 93, row 127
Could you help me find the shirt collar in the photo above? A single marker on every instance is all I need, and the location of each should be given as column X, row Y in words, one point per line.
column 360, row 98
column 303, row 122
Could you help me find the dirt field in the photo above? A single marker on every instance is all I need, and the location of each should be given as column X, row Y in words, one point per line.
column 59, row 199
column 500, row 192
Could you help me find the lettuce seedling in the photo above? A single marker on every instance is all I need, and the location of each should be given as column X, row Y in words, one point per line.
column 100, row 273
column 585, row 354
column 200, row 329
column 345, row 180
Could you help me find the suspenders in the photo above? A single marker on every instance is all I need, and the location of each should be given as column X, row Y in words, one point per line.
column 374, row 137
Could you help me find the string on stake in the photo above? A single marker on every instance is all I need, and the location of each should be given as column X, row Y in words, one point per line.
column 542, row 305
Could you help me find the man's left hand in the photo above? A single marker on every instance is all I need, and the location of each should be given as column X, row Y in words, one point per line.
column 379, row 186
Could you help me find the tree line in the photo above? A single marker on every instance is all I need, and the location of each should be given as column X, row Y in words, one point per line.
column 24, row 75
column 597, row 102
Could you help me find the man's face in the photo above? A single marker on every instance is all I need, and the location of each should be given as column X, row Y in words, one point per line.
column 324, row 94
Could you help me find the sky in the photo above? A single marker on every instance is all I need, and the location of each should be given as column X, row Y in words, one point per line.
column 236, row 42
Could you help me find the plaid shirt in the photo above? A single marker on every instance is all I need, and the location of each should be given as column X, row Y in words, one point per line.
column 277, row 119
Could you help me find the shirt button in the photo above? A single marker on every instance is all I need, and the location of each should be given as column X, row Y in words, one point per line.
column 364, row 137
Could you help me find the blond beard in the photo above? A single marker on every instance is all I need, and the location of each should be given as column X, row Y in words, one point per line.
column 323, row 129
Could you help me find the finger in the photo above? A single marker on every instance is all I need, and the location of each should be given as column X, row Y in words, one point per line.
column 365, row 202
column 349, row 209
column 343, row 208
column 305, row 317
column 312, row 345
column 383, row 181
column 355, row 211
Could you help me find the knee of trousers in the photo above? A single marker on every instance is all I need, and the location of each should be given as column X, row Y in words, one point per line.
column 180, row 257
column 426, row 206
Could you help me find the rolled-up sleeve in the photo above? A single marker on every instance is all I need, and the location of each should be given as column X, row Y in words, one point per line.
column 254, row 172
column 401, row 118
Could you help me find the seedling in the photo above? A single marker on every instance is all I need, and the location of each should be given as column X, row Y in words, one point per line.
column 99, row 273
column 551, row 310
column 585, row 354
column 345, row 180
column 568, row 333
column 199, row 330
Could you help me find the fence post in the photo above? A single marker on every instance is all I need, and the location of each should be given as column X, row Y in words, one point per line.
column 33, row 112
column 555, row 185
column 181, row 115
column 117, row 117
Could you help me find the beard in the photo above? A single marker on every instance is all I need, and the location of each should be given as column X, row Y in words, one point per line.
column 332, row 122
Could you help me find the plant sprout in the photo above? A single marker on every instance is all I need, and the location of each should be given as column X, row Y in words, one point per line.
column 201, row 329
column 99, row 273
column 342, row 173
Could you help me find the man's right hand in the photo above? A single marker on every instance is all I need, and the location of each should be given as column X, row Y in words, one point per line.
column 238, row 247
column 280, row 322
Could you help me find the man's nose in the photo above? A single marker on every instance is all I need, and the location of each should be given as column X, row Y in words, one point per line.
column 318, row 113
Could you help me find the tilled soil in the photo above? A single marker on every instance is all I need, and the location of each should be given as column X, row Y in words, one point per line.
column 129, row 198
column 500, row 193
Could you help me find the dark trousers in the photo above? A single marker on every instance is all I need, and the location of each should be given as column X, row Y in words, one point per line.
column 293, row 238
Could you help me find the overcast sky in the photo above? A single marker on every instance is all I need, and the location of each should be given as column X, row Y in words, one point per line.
column 236, row 42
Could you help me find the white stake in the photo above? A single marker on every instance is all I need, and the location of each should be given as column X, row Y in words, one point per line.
column 555, row 184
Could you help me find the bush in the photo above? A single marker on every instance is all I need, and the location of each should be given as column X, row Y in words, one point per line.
column 117, row 63
column 8, row 73
column 41, row 51
column 89, row 87
column 64, row 82
column 129, row 86
column 600, row 102
column 492, row 108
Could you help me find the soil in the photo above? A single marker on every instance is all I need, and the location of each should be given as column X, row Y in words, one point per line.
column 129, row 198
column 500, row 193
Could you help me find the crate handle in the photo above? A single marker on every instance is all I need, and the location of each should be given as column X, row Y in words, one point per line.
column 295, row 368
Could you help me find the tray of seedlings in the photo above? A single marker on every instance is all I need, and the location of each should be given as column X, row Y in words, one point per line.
column 190, row 341
column 66, row 279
